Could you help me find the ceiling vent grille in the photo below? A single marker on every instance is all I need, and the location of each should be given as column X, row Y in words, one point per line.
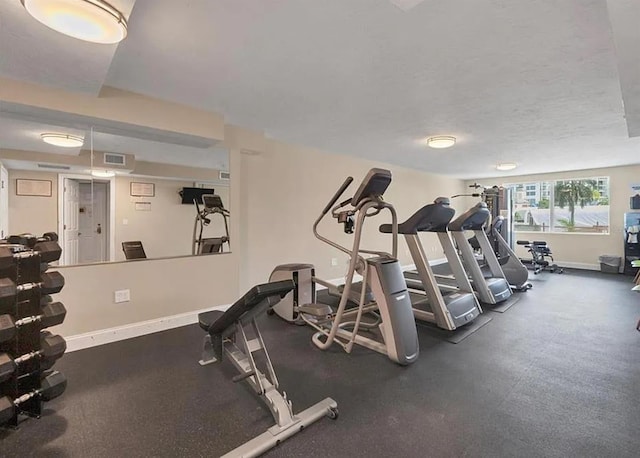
column 115, row 159
column 54, row 167
column 224, row 175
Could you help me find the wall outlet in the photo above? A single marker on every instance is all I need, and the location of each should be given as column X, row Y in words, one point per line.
column 334, row 262
column 125, row 222
column 122, row 295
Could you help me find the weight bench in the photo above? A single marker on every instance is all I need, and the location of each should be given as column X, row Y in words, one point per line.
column 226, row 336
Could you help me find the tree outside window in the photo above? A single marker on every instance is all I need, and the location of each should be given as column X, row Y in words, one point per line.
column 570, row 205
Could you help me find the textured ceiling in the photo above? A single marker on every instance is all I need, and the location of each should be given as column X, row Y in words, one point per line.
column 33, row 52
column 532, row 82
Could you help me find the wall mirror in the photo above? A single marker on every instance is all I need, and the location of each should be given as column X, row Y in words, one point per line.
column 113, row 194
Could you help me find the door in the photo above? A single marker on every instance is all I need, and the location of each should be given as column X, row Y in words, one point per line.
column 4, row 202
column 70, row 212
column 93, row 222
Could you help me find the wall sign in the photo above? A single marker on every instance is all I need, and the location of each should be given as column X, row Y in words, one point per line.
column 39, row 188
column 142, row 189
column 143, row 206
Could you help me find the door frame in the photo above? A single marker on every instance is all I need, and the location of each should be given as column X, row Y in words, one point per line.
column 111, row 181
column 4, row 198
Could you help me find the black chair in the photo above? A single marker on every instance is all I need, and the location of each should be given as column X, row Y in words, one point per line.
column 133, row 250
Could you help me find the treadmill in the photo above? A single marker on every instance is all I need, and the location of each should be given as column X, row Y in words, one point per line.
column 456, row 306
column 492, row 286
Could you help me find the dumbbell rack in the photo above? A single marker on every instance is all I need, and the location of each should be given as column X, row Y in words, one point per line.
column 23, row 274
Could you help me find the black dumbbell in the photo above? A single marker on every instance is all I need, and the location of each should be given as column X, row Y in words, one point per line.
column 50, row 236
column 51, row 387
column 7, row 289
column 30, row 240
column 9, row 254
column 22, row 239
column 52, row 347
column 49, row 250
column 52, row 282
column 53, row 313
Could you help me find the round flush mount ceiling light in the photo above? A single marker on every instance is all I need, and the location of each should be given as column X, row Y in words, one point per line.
column 103, row 173
column 63, row 140
column 504, row 166
column 89, row 20
column 441, row 141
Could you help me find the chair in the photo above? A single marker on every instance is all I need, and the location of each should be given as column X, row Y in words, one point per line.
column 133, row 250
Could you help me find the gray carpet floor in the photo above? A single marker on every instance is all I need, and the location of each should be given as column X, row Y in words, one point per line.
column 557, row 375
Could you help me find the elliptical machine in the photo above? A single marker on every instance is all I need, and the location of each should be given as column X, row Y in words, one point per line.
column 391, row 312
column 212, row 205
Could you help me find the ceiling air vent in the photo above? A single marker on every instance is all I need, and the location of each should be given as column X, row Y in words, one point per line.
column 224, row 175
column 115, row 159
column 54, row 167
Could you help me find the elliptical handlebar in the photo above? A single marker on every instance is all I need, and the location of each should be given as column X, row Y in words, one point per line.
column 337, row 195
column 326, row 209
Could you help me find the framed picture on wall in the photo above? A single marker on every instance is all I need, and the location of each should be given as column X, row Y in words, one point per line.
column 142, row 189
column 39, row 188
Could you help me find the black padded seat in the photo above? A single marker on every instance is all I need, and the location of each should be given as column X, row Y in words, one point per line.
column 430, row 218
column 471, row 220
column 267, row 295
column 206, row 319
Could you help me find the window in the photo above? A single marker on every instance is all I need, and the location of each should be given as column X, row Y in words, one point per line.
column 530, row 207
column 570, row 205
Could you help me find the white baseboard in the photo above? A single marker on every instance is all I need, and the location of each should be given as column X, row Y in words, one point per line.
column 141, row 328
column 129, row 331
column 579, row 265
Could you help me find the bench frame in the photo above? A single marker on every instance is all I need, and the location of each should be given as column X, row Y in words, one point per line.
column 238, row 348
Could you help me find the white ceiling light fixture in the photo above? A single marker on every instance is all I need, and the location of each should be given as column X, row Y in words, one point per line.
column 103, row 173
column 62, row 140
column 504, row 166
column 441, row 141
column 89, row 20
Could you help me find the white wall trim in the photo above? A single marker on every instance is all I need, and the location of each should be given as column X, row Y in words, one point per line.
column 141, row 328
column 129, row 331
column 579, row 265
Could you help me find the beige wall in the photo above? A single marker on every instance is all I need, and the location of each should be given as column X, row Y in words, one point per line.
column 283, row 190
column 165, row 230
column 583, row 249
column 117, row 106
column 32, row 214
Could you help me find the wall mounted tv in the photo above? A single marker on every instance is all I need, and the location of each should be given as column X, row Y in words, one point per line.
column 188, row 194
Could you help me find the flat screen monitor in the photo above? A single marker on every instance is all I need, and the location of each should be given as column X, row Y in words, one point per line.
column 188, row 194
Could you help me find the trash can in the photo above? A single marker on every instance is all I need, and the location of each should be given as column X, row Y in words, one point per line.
column 610, row 264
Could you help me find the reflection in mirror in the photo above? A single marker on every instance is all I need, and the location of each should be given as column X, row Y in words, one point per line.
column 116, row 195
